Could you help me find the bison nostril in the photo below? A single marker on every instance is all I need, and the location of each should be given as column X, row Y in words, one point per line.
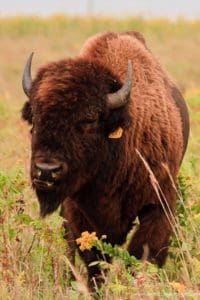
column 57, row 169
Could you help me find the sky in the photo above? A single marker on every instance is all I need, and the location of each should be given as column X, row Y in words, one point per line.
column 147, row 8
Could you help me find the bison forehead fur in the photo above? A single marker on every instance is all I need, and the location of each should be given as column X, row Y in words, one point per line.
column 106, row 182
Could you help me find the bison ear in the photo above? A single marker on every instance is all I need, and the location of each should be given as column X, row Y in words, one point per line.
column 27, row 112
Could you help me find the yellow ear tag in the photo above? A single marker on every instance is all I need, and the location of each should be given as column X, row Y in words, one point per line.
column 116, row 134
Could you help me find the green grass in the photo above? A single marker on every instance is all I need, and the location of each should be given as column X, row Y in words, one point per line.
column 33, row 263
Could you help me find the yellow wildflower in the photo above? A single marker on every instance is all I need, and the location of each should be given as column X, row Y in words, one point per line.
column 86, row 241
column 178, row 287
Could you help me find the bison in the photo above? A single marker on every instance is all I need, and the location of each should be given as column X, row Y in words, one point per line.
column 103, row 179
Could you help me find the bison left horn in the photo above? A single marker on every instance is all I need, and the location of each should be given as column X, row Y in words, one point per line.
column 121, row 97
column 27, row 79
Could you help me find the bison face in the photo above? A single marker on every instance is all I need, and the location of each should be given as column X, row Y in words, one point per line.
column 73, row 106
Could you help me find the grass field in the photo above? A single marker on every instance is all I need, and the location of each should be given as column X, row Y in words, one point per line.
column 32, row 251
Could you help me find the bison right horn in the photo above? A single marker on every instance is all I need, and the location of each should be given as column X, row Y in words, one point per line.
column 121, row 97
column 27, row 79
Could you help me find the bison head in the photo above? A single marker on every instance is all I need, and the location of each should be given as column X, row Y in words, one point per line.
column 73, row 106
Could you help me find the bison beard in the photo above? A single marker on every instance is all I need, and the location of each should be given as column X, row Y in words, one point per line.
column 49, row 201
column 102, row 184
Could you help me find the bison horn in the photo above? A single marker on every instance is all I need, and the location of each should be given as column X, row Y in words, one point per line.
column 121, row 97
column 26, row 79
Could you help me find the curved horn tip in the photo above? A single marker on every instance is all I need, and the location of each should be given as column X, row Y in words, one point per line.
column 121, row 97
column 27, row 79
column 31, row 55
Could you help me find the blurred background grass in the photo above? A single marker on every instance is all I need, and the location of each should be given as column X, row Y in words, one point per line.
column 176, row 43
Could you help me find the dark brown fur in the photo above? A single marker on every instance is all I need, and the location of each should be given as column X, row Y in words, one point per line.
column 107, row 185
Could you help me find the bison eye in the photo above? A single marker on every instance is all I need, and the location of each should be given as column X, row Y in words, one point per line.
column 87, row 125
column 89, row 121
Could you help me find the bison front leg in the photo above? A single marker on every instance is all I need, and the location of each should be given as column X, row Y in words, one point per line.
column 74, row 225
column 151, row 240
column 95, row 275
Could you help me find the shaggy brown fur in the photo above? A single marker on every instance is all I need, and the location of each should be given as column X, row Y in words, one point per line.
column 107, row 185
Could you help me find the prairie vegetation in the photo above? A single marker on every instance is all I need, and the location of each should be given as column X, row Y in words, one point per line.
column 33, row 264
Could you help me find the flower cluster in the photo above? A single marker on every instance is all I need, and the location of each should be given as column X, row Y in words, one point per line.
column 86, row 241
column 178, row 287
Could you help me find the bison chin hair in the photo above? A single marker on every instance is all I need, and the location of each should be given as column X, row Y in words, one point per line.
column 49, row 202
